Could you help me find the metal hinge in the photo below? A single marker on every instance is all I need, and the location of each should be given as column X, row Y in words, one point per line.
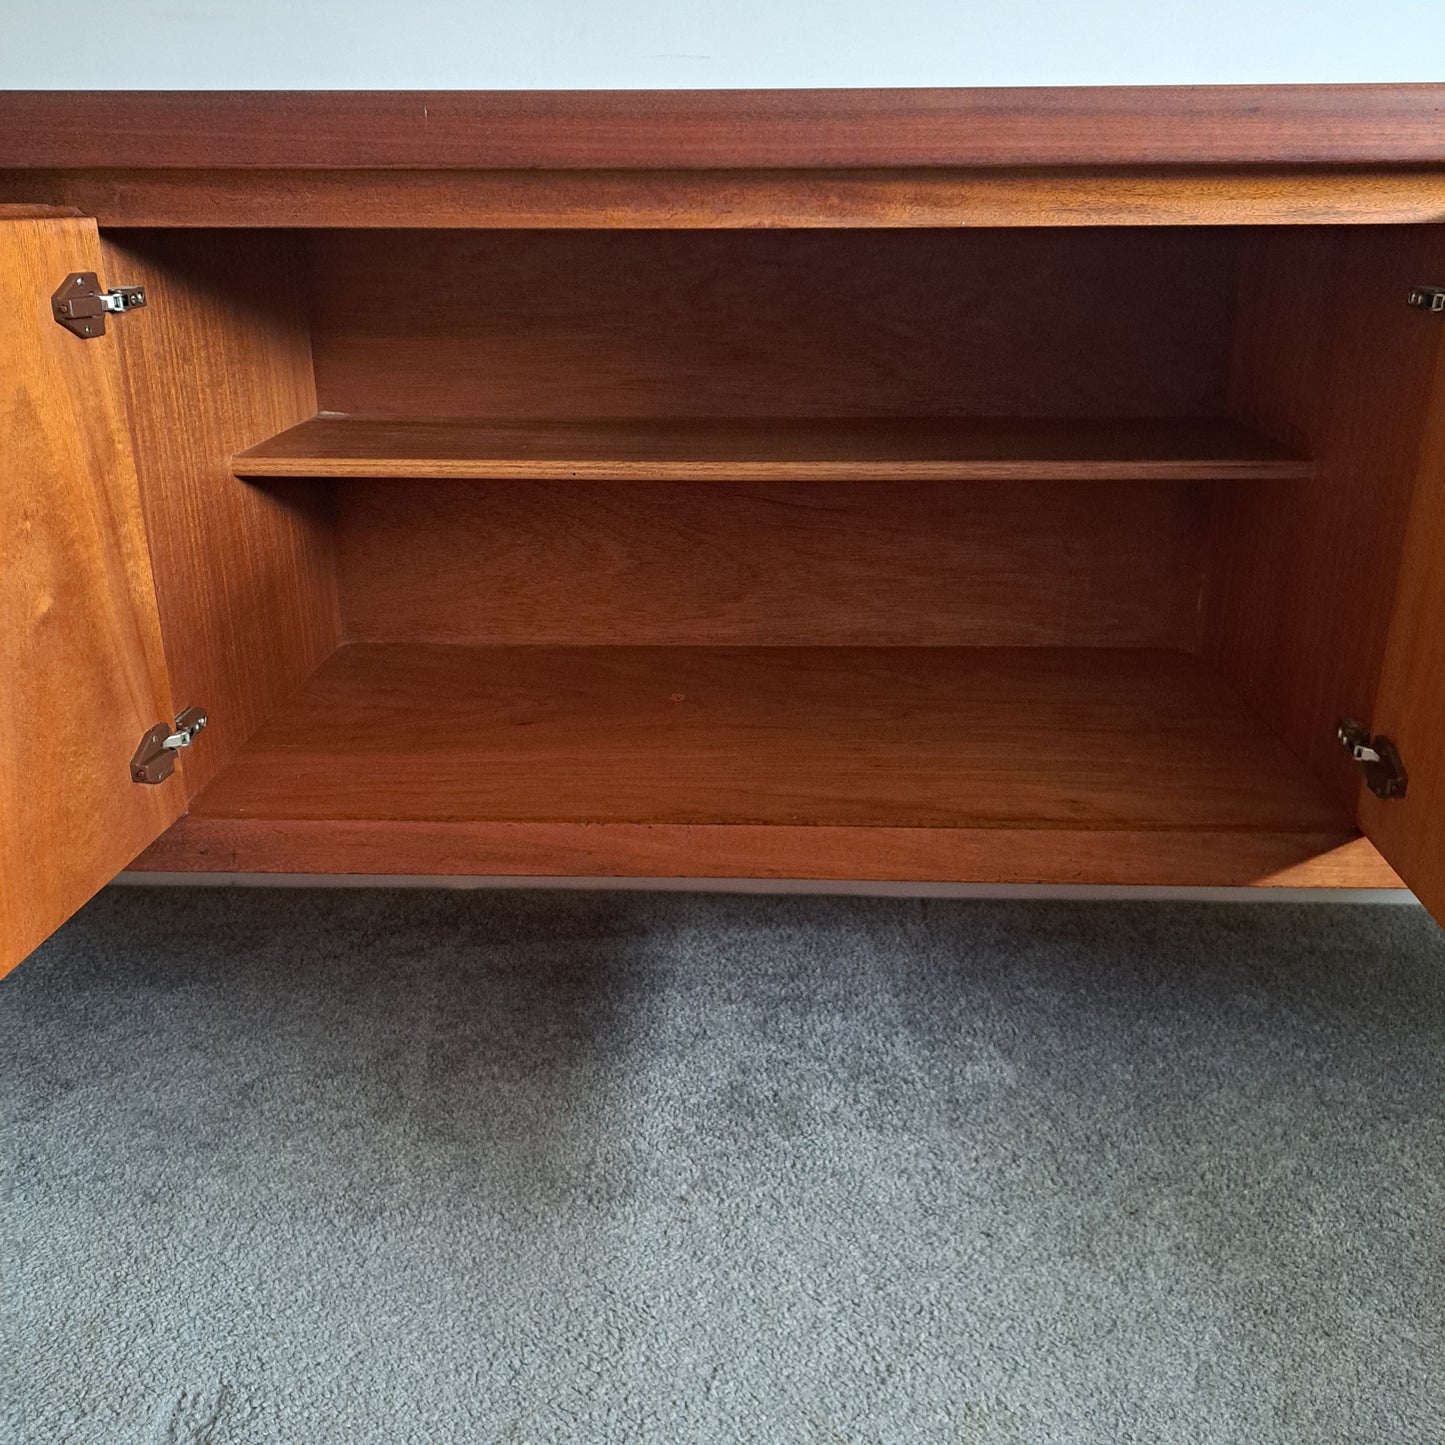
column 81, row 303
column 155, row 758
column 1427, row 298
column 1379, row 759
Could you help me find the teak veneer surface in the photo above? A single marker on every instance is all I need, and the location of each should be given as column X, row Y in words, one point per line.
column 245, row 581
column 1302, row 576
column 766, row 449
column 744, row 200
column 687, row 324
column 1119, row 156
column 817, row 737
column 82, row 670
column 1410, row 705
column 771, row 563
column 1220, row 858
column 664, row 129
column 23, row 211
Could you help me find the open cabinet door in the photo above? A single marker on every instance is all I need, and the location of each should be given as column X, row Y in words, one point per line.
column 1410, row 704
column 82, row 672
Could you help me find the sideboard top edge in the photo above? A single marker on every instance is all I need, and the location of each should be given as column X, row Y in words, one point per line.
column 725, row 129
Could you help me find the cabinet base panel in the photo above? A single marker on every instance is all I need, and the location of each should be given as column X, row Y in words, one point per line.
column 1219, row 859
column 914, row 765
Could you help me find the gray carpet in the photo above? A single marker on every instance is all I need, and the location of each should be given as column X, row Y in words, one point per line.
column 360, row 1168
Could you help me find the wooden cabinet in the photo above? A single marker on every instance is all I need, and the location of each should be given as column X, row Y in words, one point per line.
column 989, row 487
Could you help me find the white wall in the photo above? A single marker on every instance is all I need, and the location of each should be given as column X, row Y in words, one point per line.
column 562, row 44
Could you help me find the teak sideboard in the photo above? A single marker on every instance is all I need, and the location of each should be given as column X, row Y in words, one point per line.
column 990, row 486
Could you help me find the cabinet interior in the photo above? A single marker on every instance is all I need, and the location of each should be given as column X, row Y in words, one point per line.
column 1029, row 554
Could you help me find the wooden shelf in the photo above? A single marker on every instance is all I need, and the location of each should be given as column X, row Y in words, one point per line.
column 1026, row 764
column 925, row 449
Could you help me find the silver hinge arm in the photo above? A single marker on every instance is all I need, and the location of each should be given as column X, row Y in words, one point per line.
column 123, row 298
column 1360, row 752
column 188, row 725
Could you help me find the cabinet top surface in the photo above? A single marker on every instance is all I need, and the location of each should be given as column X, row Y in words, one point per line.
column 719, row 129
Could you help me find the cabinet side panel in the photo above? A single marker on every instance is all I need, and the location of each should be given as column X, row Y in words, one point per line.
column 1301, row 575
column 219, row 360
column 82, row 674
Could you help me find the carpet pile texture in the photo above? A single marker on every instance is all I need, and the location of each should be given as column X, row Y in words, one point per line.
column 373, row 1167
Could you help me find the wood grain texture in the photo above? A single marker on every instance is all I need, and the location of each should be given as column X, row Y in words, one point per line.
column 82, row 672
column 1218, row 858
column 1024, row 125
column 797, row 563
column 245, row 579
column 745, row 200
column 1410, row 704
column 23, row 211
column 767, row 449
column 1331, row 359
column 1022, row 323
column 840, row 737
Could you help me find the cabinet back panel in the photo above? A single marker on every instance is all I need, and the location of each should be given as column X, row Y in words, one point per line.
column 1072, row 323
column 823, row 563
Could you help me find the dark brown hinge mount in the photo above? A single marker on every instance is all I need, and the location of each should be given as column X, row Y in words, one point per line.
column 155, row 758
column 81, row 303
column 1379, row 759
column 1427, row 298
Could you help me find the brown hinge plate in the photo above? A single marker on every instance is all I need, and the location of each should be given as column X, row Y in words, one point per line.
column 80, row 303
column 1379, row 759
column 155, row 758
